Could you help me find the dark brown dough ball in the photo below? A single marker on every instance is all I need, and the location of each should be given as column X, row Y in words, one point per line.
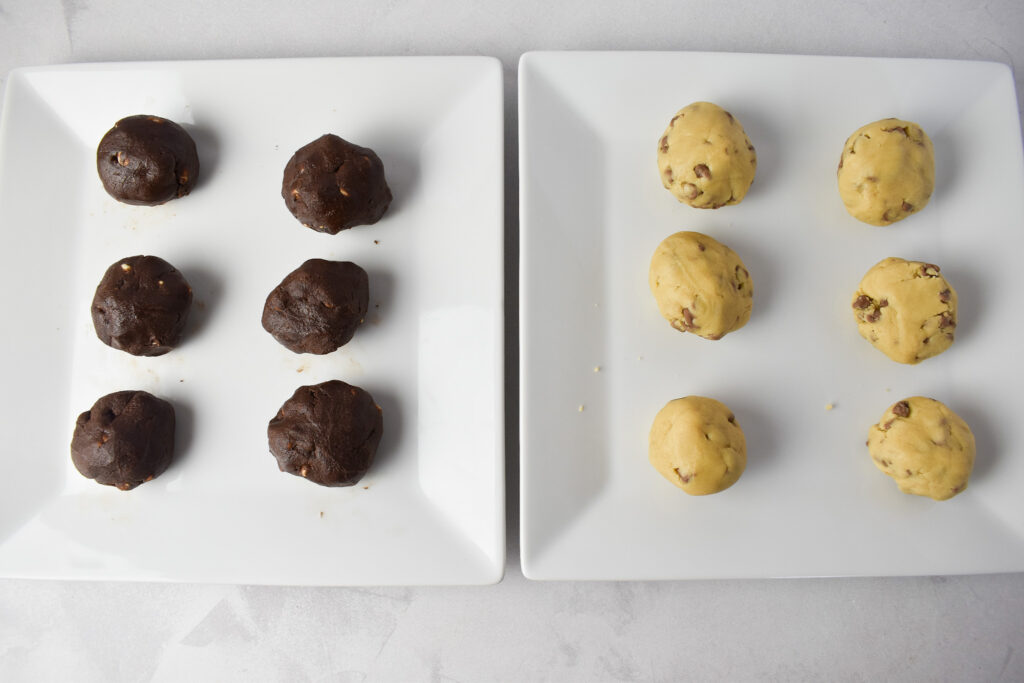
column 331, row 185
column 147, row 160
column 141, row 306
column 318, row 306
column 327, row 433
column 126, row 439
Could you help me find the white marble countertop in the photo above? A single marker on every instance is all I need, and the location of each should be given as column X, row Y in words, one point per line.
column 942, row 628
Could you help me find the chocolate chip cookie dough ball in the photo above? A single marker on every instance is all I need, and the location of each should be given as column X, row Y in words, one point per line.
column 147, row 160
column 906, row 309
column 141, row 306
column 886, row 171
column 327, row 433
column 331, row 185
column 924, row 446
column 125, row 439
column 696, row 444
column 705, row 158
column 318, row 306
column 700, row 285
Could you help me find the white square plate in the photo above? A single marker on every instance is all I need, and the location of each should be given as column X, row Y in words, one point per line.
column 811, row 501
column 431, row 510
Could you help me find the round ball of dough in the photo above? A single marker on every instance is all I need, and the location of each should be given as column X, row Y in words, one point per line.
column 318, row 306
column 697, row 445
column 906, row 309
column 327, row 433
column 147, row 160
column 332, row 185
column 705, row 158
column 125, row 439
column 924, row 446
column 141, row 306
column 701, row 285
column 886, row 171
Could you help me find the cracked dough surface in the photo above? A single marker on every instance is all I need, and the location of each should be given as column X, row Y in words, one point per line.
column 705, row 158
column 924, row 446
column 700, row 285
column 906, row 309
column 696, row 444
column 886, row 171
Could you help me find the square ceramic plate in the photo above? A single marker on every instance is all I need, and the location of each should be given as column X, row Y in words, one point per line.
column 811, row 501
column 431, row 511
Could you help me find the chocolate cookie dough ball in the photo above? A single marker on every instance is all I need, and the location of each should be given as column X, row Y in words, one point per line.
column 700, row 285
column 696, row 444
column 886, row 171
column 906, row 309
column 705, row 158
column 125, row 439
column 327, row 433
column 924, row 446
column 141, row 306
column 331, row 185
column 147, row 160
column 318, row 306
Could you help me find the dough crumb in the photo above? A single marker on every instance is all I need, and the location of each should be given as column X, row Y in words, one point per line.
column 830, row 406
column 581, row 408
column 597, row 368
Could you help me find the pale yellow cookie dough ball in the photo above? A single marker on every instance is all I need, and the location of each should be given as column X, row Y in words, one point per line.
column 705, row 158
column 886, row 171
column 924, row 446
column 696, row 444
column 906, row 309
column 700, row 285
